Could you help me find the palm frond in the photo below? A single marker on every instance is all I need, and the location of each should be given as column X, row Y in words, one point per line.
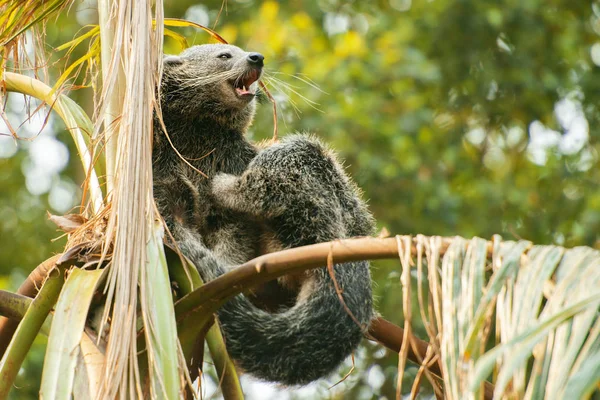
column 18, row 16
column 64, row 344
column 182, row 23
column 20, row 37
column 88, row 59
column 543, row 301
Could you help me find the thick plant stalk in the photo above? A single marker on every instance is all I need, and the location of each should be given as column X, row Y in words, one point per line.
column 187, row 280
column 13, row 305
column 28, row 329
column 228, row 378
column 29, row 288
column 271, row 266
column 121, row 374
column 75, row 119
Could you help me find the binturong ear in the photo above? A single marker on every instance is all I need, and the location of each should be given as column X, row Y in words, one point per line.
column 172, row 61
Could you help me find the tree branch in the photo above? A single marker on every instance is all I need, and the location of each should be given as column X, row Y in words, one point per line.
column 273, row 265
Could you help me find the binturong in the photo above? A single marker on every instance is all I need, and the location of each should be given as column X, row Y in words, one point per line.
column 253, row 200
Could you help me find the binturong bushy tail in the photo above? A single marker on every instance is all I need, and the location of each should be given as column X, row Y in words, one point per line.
column 306, row 341
column 302, row 343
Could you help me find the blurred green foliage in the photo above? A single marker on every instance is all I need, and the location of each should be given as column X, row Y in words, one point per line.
column 456, row 117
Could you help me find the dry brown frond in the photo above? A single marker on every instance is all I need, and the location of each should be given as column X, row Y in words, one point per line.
column 129, row 78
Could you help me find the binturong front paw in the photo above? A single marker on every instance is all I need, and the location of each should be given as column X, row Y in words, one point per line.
column 225, row 190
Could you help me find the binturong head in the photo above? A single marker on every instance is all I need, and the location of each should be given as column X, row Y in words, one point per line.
column 218, row 81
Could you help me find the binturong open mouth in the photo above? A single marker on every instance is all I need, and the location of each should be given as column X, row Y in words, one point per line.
column 243, row 83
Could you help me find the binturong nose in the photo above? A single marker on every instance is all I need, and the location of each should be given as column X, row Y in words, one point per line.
column 255, row 59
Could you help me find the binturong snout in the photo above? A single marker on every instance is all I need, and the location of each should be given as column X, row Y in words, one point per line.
column 256, row 59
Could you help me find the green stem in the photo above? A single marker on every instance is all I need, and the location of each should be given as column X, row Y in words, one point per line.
column 230, row 383
column 75, row 119
column 13, row 305
column 28, row 329
column 188, row 279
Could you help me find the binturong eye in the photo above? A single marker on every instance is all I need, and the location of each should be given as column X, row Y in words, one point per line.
column 224, row 56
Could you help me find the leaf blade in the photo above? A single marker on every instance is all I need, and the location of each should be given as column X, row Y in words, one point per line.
column 63, row 344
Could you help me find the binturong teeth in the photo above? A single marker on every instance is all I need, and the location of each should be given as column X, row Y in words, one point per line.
column 244, row 88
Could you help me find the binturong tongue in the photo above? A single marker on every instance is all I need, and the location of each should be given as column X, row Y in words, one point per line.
column 242, row 86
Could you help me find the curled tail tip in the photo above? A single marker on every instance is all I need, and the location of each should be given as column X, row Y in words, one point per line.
column 306, row 342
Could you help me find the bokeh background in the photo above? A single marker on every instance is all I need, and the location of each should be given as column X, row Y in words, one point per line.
column 456, row 117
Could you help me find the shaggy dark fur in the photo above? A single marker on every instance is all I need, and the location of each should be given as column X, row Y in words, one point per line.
column 290, row 194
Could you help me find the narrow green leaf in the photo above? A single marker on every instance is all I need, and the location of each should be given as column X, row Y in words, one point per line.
column 523, row 345
column 63, row 344
column 451, row 289
column 77, row 41
column 178, row 22
column 158, row 315
column 581, row 384
column 512, row 253
column 49, row 8
column 570, row 338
